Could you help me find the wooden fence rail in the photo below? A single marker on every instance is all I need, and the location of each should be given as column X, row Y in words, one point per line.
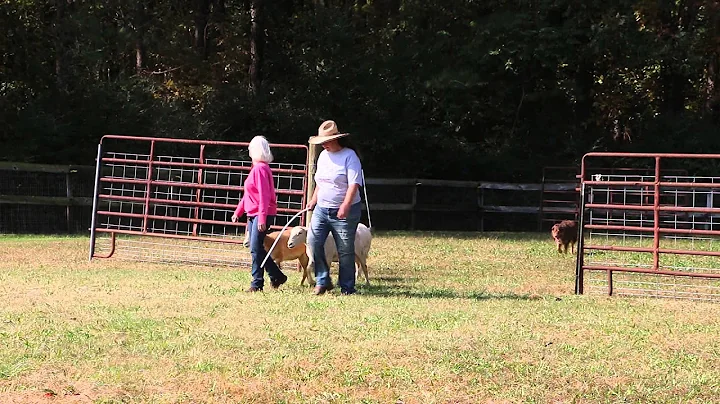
column 472, row 202
column 480, row 207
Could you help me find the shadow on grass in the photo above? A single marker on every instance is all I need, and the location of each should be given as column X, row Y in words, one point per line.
column 401, row 290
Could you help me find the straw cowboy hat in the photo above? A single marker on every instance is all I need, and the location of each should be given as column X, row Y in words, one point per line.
column 327, row 131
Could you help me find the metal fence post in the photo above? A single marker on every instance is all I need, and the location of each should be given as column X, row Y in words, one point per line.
column 313, row 154
column 542, row 203
column 414, row 204
column 481, row 206
column 96, row 197
column 580, row 243
column 69, row 194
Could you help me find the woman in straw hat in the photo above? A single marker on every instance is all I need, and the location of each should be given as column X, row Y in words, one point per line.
column 336, row 207
column 260, row 204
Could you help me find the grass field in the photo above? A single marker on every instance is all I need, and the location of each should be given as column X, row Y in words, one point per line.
column 449, row 318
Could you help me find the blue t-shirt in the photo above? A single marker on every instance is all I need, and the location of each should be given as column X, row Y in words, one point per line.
column 334, row 172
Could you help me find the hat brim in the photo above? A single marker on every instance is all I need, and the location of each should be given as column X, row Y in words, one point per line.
column 325, row 139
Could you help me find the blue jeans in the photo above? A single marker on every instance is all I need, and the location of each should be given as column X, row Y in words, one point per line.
column 258, row 253
column 323, row 222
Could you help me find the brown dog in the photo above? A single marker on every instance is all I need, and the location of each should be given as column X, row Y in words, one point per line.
column 565, row 233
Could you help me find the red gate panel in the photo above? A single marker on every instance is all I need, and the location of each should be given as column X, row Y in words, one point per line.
column 184, row 190
column 649, row 228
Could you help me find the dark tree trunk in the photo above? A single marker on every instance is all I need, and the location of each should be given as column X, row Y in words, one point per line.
column 712, row 88
column 202, row 13
column 672, row 85
column 220, row 9
column 141, row 20
column 388, row 8
column 584, row 96
column 257, row 40
column 712, row 72
column 139, row 55
column 60, row 9
column 671, row 82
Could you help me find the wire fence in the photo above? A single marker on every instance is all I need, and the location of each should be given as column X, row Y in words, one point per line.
column 650, row 234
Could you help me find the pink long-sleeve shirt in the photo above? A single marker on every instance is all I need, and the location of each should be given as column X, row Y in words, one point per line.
column 259, row 197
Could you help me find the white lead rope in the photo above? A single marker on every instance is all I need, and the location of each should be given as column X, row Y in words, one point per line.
column 278, row 237
column 367, row 204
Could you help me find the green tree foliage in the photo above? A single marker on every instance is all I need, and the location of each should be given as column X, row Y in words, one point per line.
column 490, row 90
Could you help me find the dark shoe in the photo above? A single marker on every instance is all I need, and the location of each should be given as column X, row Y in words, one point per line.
column 320, row 290
column 253, row 289
column 346, row 293
column 275, row 283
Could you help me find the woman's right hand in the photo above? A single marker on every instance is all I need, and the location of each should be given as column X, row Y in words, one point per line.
column 234, row 218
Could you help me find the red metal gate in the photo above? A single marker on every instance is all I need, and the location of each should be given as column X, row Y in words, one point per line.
column 183, row 190
column 649, row 228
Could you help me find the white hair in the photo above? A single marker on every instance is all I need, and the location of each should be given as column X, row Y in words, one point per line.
column 259, row 150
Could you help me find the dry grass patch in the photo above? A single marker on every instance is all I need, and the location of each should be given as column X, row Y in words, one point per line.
column 448, row 318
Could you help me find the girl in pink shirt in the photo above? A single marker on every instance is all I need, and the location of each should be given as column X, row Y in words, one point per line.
column 260, row 204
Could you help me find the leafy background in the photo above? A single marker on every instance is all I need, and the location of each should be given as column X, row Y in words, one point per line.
column 462, row 89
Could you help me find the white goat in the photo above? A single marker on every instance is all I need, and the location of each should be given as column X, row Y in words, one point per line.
column 363, row 239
